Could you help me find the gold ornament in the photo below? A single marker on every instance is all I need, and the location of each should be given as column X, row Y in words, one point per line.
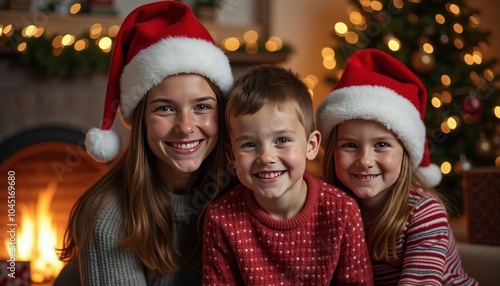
column 483, row 146
column 422, row 62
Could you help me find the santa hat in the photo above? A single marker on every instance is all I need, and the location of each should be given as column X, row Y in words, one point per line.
column 155, row 41
column 375, row 86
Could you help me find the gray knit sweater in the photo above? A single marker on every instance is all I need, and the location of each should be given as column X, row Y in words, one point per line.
column 104, row 263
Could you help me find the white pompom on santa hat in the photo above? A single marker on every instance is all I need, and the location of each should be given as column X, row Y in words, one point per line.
column 376, row 86
column 155, row 41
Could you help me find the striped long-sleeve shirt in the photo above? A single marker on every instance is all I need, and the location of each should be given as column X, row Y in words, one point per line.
column 427, row 251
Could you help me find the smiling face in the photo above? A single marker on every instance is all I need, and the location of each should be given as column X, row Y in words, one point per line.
column 368, row 157
column 270, row 149
column 182, row 124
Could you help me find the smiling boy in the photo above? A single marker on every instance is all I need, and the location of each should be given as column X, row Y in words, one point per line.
column 280, row 225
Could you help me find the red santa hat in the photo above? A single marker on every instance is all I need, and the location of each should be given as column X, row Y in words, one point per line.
column 155, row 41
column 375, row 86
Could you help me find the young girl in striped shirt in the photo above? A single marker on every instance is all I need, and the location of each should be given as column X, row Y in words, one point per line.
column 375, row 147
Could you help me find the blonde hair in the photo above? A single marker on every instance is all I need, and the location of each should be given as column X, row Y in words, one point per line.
column 148, row 217
column 389, row 224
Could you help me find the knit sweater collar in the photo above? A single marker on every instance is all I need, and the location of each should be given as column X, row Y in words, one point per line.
column 301, row 218
column 181, row 205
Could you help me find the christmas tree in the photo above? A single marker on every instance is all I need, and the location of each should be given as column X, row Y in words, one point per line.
column 442, row 43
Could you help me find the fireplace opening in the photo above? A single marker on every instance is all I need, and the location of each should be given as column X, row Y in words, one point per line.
column 50, row 170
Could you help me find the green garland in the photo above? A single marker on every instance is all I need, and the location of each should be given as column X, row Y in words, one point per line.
column 40, row 58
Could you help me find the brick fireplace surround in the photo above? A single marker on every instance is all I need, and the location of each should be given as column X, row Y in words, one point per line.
column 43, row 122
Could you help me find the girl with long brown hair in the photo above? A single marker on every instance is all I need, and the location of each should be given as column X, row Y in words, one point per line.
column 375, row 148
column 140, row 223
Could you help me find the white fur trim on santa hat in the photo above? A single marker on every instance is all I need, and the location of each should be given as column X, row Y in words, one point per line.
column 430, row 174
column 378, row 104
column 168, row 57
column 102, row 145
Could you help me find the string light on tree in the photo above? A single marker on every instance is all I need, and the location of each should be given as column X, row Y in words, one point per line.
column 483, row 146
column 422, row 62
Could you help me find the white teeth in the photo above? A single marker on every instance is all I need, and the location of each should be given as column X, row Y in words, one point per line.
column 269, row 175
column 367, row 176
column 186, row 146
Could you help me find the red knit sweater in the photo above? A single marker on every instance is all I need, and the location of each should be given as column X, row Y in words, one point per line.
column 324, row 243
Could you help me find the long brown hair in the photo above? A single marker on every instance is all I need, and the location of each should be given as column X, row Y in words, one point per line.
column 389, row 224
column 147, row 213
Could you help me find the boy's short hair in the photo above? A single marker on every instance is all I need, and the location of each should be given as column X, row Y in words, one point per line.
column 266, row 84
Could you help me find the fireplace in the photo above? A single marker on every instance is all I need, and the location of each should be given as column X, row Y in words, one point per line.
column 43, row 123
column 49, row 169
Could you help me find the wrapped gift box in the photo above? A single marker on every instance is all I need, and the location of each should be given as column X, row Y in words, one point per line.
column 482, row 204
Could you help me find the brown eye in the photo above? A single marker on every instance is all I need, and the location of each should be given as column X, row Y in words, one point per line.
column 283, row 140
column 381, row 145
column 164, row 108
column 349, row 145
column 202, row 106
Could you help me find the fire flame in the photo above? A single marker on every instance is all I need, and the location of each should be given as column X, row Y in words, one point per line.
column 37, row 237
